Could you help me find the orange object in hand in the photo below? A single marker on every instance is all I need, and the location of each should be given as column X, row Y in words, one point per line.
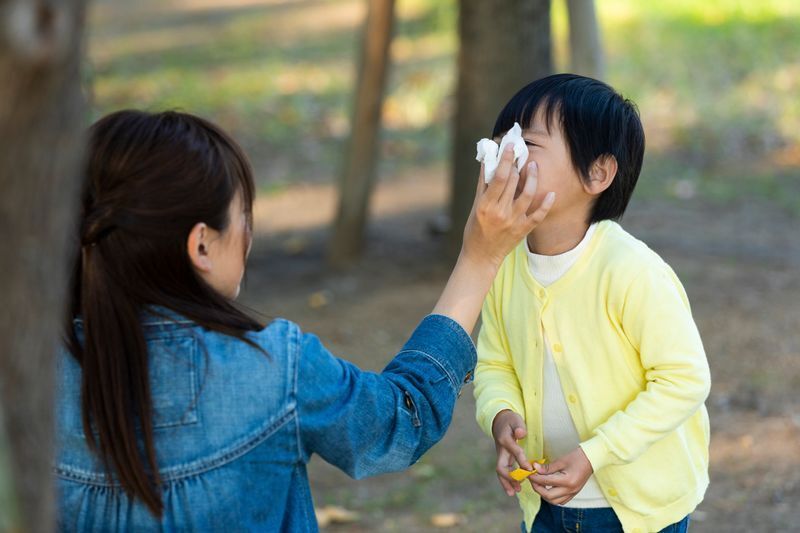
column 519, row 474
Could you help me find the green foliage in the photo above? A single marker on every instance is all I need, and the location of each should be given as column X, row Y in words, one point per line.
column 716, row 82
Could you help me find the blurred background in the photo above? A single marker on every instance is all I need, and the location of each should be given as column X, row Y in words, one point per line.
column 717, row 84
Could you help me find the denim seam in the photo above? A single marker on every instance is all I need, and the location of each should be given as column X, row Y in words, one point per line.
column 453, row 326
column 450, row 377
column 294, row 361
column 179, row 472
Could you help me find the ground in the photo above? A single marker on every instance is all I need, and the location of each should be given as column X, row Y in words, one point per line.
column 739, row 264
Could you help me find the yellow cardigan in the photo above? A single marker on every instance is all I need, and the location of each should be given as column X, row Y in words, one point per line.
column 631, row 364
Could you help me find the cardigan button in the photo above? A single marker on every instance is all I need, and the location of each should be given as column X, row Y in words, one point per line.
column 558, row 348
column 542, row 293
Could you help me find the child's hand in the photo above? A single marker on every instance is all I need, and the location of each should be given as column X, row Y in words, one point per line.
column 507, row 428
column 561, row 480
column 498, row 221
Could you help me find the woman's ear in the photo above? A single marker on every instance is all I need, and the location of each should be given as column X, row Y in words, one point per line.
column 197, row 247
column 601, row 174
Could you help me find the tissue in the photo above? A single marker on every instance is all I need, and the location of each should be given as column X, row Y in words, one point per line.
column 489, row 153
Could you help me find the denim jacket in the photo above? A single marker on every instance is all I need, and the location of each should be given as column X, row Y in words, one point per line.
column 234, row 428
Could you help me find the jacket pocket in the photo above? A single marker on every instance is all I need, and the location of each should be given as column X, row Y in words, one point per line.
column 411, row 409
column 173, row 380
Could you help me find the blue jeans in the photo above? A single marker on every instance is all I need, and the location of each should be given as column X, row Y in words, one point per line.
column 553, row 518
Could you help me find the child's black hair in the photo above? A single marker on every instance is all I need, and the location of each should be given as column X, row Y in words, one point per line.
column 595, row 121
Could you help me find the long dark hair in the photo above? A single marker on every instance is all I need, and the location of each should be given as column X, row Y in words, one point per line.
column 150, row 178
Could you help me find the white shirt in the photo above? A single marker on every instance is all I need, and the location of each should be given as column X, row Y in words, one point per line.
column 560, row 435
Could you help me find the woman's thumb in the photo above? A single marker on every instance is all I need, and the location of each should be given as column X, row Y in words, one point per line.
column 519, row 432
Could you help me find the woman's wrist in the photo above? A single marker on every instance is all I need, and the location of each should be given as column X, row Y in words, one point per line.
column 466, row 289
column 480, row 262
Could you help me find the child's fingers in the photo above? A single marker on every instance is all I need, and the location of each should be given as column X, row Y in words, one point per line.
column 557, row 467
column 505, row 485
column 509, row 443
column 554, row 495
column 503, row 463
column 553, row 480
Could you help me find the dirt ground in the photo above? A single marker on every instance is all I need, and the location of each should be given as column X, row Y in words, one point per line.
column 739, row 264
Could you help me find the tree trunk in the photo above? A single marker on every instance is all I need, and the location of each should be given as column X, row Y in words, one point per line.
column 585, row 48
column 358, row 174
column 41, row 124
column 505, row 44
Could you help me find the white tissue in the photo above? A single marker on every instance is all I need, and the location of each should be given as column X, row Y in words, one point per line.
column 489, row 153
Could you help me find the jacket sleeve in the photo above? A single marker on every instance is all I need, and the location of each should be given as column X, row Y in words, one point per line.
column 367, row 423
column 496, row 384
column 657, row 320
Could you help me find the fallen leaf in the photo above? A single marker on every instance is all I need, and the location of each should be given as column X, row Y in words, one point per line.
column 519, row 474
column 445, row 520
column 333, row 514
column 319, row 299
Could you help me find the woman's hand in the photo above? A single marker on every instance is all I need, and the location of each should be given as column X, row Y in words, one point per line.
column 497, row 223
column 499, row 218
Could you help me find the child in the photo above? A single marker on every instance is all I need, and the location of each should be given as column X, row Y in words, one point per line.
column 588, row 354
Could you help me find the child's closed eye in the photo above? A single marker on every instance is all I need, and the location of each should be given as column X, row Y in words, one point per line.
column 530, row 143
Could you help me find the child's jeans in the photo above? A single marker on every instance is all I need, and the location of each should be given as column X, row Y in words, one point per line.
column 556, row 519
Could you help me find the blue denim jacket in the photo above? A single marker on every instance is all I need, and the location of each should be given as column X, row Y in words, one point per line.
column 234, row 428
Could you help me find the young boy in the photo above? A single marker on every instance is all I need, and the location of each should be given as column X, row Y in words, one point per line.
column 588, row 354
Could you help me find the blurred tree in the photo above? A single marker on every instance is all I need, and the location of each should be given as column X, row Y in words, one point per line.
column 41, row 119
column 358, row 171
column 585, row 48
column 505, row 44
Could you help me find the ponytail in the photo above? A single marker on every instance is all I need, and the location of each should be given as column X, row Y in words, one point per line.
column 150, row 178
column 116, row 381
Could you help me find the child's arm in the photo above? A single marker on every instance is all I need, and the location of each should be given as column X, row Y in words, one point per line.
column 498, row 396
column 657, row 320
column 496, row 385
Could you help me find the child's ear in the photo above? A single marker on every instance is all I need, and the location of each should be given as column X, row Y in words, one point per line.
column 197, row 247
column 601, row 174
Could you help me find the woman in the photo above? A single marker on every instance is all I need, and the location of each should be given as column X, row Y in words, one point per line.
column 178, row 411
